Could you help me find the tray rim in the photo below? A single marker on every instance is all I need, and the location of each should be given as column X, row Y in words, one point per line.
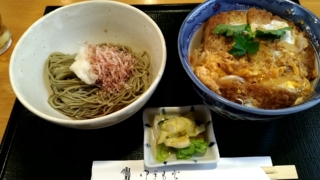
column 10, row 130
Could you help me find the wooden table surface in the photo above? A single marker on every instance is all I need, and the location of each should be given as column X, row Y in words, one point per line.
column 18, row 15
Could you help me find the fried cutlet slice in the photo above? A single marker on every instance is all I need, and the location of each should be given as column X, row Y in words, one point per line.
column 309, row 62
column 213, row 42
column 255, row 95
column 257, row 18
column 260, row 17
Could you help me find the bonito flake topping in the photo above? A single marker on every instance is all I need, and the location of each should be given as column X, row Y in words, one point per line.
column 110, row 66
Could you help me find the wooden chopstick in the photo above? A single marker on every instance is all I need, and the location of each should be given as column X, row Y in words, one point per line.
column 281, row 172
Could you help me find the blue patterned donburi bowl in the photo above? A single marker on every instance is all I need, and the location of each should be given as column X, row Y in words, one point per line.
column 190, row 37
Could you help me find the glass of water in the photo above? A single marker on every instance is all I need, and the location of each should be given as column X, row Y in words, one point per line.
column 5, row 37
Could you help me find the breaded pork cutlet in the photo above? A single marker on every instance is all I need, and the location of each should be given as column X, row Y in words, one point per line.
column 277, row 76
column 211, row 40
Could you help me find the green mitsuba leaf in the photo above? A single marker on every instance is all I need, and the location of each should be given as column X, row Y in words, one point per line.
column 244, row 44
column 244, row 37
column 229, row 30
column 248, row 32
column 272, row 34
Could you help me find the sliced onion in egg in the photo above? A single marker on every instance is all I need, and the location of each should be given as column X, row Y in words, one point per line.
column 233, row 78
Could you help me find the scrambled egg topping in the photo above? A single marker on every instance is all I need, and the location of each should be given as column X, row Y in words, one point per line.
column 279, row 75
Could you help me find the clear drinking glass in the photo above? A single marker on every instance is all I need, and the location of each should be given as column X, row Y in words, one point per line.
column 5, row 37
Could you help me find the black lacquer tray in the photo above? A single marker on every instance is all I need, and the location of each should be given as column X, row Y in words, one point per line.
column 36, row 149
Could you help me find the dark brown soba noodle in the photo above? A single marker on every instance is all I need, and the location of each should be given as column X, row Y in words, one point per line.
column 78, row 100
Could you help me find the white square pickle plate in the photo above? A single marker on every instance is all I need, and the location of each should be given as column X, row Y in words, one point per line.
column 201, row 113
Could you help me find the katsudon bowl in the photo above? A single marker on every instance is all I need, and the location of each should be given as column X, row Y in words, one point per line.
column 70, row 27
column 190, row 38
